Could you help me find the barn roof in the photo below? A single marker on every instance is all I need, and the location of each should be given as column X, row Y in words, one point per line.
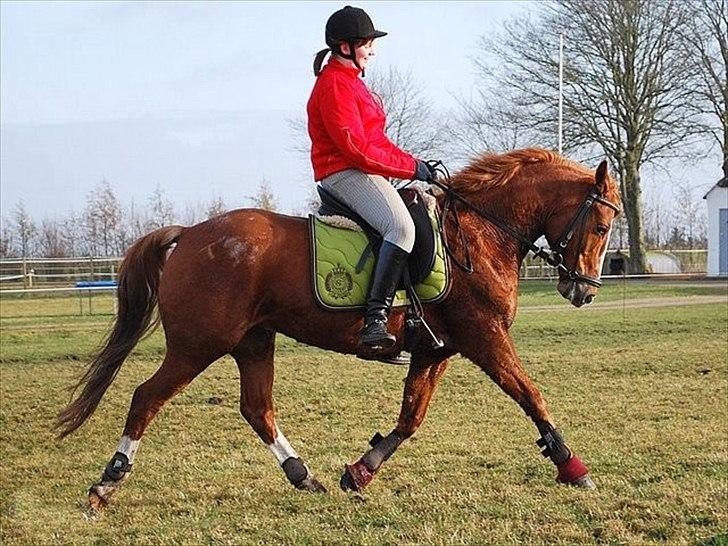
column 722, row 183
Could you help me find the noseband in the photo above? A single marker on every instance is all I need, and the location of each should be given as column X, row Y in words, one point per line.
column 554, row 258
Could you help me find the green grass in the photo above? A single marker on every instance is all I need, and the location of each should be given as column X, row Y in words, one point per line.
column 641, row 397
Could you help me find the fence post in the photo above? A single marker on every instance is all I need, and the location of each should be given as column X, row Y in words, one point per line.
column 91, row 265
column 25, row 273
column 30, row 278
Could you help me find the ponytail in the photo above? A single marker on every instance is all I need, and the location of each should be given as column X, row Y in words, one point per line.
column 320, row 56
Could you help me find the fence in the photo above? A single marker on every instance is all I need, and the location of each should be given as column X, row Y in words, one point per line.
column 62, row 272
column 21, row 281
column 55, row 272
column 25, row 280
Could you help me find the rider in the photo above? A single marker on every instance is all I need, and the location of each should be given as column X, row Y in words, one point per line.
column 352, row 157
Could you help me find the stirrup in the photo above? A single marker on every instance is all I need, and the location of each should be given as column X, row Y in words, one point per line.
column 403, row 358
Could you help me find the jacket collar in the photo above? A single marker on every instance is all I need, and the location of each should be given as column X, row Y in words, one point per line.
column 333, row 64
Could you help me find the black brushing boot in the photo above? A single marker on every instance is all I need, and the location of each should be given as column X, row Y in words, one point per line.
column 390, row 265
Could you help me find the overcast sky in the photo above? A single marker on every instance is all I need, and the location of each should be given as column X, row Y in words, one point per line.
column 193, row 96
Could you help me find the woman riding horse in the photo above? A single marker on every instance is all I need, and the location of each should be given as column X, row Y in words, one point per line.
column 226, row 290
column 352, row 155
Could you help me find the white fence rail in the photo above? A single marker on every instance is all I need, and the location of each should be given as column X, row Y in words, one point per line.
column 55, row 272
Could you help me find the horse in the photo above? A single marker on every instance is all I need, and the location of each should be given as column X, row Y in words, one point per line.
column 228, row 285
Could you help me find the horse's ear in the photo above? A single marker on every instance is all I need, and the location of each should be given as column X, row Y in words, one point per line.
column 601, row 177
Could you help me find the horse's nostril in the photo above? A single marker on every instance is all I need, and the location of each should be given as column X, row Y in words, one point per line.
column 589, row 299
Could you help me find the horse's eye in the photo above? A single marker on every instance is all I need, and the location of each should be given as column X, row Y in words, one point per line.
column 601, row 230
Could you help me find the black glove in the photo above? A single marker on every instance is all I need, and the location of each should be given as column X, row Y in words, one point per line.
column 424, row 172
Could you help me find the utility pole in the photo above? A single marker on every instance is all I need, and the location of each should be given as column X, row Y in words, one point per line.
column 561, row 90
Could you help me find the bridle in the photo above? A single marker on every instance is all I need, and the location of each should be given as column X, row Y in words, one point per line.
column 553, row 257
column 577, row 222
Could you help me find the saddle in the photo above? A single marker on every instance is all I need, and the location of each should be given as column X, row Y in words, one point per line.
column 344, row 250
column 422, row 258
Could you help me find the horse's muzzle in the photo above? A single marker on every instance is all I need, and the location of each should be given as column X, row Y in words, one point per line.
column 578, row 293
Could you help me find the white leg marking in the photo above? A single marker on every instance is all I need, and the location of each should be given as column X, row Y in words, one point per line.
column 128, row 447
column 281, row 449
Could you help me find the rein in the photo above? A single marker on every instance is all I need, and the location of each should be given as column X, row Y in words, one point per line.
column 554, row 258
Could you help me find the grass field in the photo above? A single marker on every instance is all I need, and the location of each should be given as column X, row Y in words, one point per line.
column 641, row 394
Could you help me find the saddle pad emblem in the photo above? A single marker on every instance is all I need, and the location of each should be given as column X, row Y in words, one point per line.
column 338, row 282
column 337, row 285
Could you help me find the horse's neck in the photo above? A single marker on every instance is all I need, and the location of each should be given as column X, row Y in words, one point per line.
column 520, row 205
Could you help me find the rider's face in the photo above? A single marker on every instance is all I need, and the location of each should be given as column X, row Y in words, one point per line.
column 363, row 52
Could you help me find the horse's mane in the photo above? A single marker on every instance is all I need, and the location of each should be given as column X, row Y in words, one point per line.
column 490, row 170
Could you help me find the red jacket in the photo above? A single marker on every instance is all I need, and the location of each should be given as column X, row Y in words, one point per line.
column 346, row 126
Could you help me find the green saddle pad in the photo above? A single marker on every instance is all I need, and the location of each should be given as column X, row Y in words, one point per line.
column 336, row 253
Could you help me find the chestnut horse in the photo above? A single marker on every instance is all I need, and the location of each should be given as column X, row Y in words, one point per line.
column 232, row 282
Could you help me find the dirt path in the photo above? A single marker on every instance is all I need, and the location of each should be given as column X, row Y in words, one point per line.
column 639, row 303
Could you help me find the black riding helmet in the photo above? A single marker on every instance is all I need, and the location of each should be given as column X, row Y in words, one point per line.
column 348, row 25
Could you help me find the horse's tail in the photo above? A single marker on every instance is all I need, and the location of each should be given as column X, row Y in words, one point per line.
column 137, row 293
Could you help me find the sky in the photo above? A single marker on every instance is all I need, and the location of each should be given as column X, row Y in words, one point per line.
column 195, row 97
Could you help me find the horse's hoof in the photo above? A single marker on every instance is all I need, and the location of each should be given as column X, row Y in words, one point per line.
column 312, row 485
column 574, row 472
column 96, row 502
column 356, row 476
column 585, row 482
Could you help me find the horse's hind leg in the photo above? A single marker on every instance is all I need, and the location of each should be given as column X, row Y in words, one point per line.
column 422, row 379
column 174, row 374
column 254, row 356
column 500, row 361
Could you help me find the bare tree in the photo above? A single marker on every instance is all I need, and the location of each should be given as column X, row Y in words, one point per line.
column 264, row 198
column 707, row 41
column 656, row 223
column 627, row 93
column 7, row 240
column 193, row 213
column 72, row 234
column 487, row 123
column 215, row 207
column 50, row 239
column 25, row 230
column 689, row 216
column 135, row 223
column 102, row 220
column 412, row 123
column 161, row 210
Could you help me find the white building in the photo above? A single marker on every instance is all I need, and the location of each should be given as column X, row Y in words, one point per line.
column 717, row 201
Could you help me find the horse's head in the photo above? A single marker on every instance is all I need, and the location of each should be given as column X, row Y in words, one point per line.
column 578, row 233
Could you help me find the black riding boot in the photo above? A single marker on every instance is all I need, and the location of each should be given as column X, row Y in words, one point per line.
column 390, row 265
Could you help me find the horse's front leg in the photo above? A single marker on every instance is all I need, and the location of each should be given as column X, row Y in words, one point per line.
column 500, row 361
column 422, row 379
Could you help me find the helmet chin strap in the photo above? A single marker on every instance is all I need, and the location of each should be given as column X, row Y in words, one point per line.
column 351, row 56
